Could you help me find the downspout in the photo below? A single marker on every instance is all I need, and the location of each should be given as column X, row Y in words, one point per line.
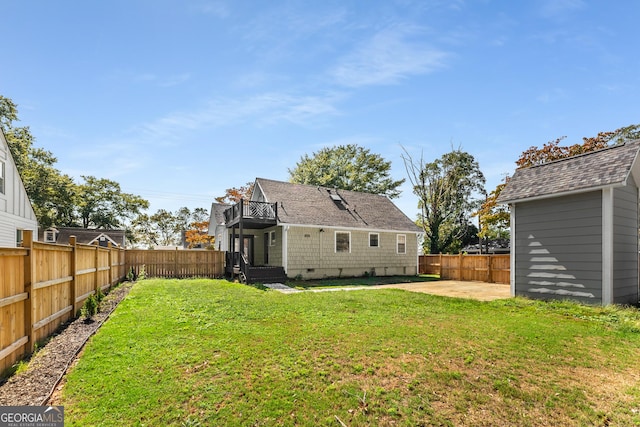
column 418, row 253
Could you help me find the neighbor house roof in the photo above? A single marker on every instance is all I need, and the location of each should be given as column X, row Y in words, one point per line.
column 86, row 236
column 217, row 214
column 608, row 167
column 320, row 206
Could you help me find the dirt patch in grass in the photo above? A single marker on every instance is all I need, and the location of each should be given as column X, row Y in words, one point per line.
column 482, row 393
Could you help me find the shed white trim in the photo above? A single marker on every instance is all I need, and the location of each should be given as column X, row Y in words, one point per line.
column 607, row 246
column 512, row 260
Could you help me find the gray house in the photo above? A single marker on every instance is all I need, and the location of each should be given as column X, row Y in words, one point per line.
column 574, row 227
column 307, row 231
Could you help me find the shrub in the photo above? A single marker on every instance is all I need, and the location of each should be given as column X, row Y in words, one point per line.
column 142, row 274
column 99, row 297
column 90, row 307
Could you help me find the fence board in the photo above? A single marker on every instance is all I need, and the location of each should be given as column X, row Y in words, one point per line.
column 43, row 285
column 13, row 296
column 176, row 263
column 482, row 268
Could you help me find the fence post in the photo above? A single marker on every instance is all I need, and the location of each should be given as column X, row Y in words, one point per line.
column 489, row 269
column 29, row 273
column 110, row 261
column 175, row 265
column 460, row 257
column 73, row 290
column 440, row 265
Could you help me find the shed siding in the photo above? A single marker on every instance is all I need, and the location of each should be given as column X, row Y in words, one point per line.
column 625, row 245
column 311, row 254
column 559, row 248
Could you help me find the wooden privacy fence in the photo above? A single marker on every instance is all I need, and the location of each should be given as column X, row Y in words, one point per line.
column 42, row 285
column 481, row 268
column 176, row 263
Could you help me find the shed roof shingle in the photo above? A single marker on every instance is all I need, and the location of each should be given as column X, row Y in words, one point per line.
column 597, row 169
column 313, row 205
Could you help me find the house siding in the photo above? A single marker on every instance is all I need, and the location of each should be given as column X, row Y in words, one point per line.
column 16, row 212
column 625, row 245
column 312, row 255
column 275, row 251
column 558, row 248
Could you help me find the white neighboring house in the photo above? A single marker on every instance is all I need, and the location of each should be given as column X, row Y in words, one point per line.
column 16, row 212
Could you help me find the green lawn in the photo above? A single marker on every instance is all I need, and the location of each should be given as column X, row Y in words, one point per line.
column 213, row 353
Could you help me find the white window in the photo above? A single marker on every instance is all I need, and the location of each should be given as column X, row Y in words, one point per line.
column 374, row 240
column 401, row 243
column 343, row 241
column 2, row 178
column 50, row 236
column 272, row 238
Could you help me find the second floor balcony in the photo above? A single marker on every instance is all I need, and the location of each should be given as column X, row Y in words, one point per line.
column 252, row 214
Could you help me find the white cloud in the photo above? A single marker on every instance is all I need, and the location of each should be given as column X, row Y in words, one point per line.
column 215, row 8
column 262, row 109
column 559, row 9
column 389, row 56
column 150, row 78
column 552, row 95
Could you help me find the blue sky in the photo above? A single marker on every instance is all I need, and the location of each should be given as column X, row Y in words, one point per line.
column 179, row 100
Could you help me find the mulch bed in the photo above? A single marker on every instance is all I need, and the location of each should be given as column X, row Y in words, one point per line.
column 49, row 364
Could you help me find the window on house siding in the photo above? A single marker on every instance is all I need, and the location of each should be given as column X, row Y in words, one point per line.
column 272, row 238
column 19, row 237
column 2, row 178
column 401, row 241
column 374, row 240
column 50, row 236
column 343, row 241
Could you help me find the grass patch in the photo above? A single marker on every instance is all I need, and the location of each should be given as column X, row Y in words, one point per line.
column 206, row 352
column 359, row 281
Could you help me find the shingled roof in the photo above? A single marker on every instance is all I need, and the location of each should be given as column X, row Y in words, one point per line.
column 320, row 206
column 217, row 213
column 85, row 236
column 608, row 167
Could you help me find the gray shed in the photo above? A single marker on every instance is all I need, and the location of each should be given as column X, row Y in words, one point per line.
column 574, row 227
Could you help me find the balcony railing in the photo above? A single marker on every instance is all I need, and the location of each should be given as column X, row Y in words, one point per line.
column 251, row 210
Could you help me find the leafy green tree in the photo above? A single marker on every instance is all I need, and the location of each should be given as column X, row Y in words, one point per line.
column 494, row 218
column 50, row 191
column 347, row 167
column 446, row 190
column 102, row 204
column 8, row 113
column 165, row 228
